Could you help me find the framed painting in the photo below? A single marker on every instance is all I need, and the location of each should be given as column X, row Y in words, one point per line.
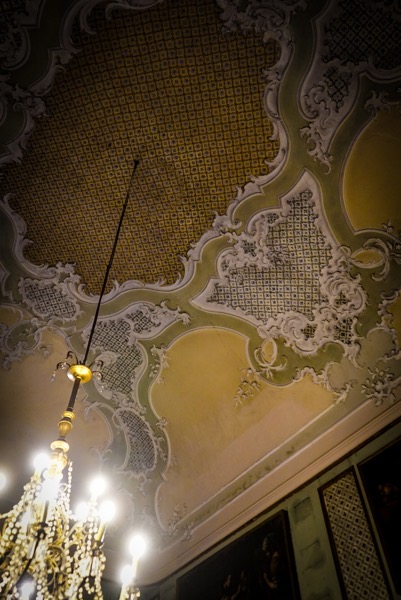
column 381, row 479
column 258, row 565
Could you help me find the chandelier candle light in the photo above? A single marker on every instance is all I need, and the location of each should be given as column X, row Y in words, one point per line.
column 47, row 552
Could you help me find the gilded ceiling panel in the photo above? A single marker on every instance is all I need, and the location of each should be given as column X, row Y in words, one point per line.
column 169, row 87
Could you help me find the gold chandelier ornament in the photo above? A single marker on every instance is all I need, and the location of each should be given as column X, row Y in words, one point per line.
column 46, row 551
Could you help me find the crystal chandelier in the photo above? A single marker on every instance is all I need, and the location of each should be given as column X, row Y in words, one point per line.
column 46, row 551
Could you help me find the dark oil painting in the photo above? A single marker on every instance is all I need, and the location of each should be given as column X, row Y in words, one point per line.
column 257, row 566
column 381, row 478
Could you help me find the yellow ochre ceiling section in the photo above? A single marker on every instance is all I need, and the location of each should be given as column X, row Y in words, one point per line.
column 34, row 406
column 213, row 437
column 165, row 86
column 372, row 178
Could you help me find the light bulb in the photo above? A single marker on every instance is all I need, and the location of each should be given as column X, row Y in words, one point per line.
column 97, row 486
column 50, row 488
column 3, row 481
column 26, row 520
column 137, row 546
column 82, row 511
column 126, row 575
column 107, row 510
column 41, row 462
column 26, row 589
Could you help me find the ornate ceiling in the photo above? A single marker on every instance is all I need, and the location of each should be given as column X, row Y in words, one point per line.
column 250, row 330
column 163, row 86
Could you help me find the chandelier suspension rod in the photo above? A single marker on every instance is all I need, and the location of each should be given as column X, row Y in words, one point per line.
column 73, row 395
column 45, row 549
column 136, row 163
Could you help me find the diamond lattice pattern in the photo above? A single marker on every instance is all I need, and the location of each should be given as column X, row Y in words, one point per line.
column 164, row 85
column 360, row 567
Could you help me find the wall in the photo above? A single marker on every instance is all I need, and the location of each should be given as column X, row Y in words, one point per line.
column 345, row 499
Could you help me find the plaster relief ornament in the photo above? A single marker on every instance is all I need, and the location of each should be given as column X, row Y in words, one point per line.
column 380, row 386
column 50, row 298
column 247, row 388
column 118, row 338
column 142, row 446
column 174, row 527
column 350, row 42
column 124, row 361
column 30, row 106
column 287, row 275
column 273, row 20
column 161, row 362
column 389, row 251
column 45, row 302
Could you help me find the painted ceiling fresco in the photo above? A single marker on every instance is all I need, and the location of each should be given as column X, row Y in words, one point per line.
column 252, row 318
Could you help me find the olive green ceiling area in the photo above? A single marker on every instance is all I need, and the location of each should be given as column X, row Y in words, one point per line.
column 249, row 335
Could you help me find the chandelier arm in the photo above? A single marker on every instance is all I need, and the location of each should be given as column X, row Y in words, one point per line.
column 30, row 560
column 136, row 163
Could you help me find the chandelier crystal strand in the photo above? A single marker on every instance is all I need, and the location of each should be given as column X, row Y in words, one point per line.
column 46, row 552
